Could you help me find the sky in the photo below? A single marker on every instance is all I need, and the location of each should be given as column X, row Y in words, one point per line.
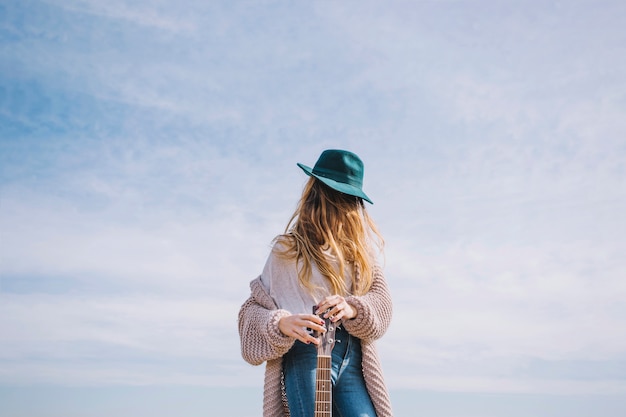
column 148, row 156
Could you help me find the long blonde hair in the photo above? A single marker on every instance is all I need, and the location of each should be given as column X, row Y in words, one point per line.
column 326, row 219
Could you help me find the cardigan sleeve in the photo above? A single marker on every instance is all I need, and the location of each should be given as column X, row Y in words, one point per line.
column 374, row 310
column 261, row 339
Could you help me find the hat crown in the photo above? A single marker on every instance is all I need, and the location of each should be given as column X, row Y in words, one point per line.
column 341, row 171
column 341, row 166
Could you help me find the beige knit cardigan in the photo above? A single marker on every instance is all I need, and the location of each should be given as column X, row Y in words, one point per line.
column 262, row 341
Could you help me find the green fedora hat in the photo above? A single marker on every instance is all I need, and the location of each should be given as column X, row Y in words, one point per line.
column 341, row 171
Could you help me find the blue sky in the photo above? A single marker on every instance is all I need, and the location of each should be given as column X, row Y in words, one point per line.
column 148, row 157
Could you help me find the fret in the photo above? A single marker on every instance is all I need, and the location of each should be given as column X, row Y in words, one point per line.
column 323, row 387
column 323, row 381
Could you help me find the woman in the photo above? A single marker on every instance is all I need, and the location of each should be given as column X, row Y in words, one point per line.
column 325, row 259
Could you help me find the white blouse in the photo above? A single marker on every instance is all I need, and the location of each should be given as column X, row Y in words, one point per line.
column 280, row 278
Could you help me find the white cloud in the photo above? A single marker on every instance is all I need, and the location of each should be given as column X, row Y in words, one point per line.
column 98, row 340
column 511, row 385
column 154, row 254
column 148, row 325
column 157, row 15
column 470, row 317
column 497, row 175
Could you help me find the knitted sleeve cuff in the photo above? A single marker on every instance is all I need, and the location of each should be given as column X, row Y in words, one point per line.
column 362, row 314
column 277, row 337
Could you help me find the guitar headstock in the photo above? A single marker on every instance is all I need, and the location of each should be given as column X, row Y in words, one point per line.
column 327, row 339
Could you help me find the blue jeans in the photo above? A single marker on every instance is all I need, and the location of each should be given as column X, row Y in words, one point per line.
column 350, row 396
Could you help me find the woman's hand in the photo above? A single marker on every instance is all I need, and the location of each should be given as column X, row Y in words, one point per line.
column 338, row 308
column 296, row 326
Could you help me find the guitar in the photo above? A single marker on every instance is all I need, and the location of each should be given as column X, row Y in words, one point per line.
column 323, row 384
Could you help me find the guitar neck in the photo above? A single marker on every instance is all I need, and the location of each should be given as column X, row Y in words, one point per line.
column 323, row 388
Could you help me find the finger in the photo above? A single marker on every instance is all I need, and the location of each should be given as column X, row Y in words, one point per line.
column 329, row 302
column 313, row 322
column 310, row 339
column 337, row 316
column 336, row 309
column 325, row 303
column 320, row 328
column 342, row 310
column 304, row 336
column 296, row 333
column 300, row 325
column 340, row 315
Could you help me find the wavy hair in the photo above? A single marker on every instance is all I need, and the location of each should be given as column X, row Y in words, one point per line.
column 326, row 219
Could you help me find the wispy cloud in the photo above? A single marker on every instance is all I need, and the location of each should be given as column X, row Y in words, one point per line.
column 472, row 316
column 92, row 339
column 157, row 15
column 149, row 159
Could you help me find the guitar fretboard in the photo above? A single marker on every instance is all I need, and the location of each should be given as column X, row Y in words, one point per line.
column 323, row 388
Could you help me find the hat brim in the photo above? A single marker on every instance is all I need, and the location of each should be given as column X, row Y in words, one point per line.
column 336, row 185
